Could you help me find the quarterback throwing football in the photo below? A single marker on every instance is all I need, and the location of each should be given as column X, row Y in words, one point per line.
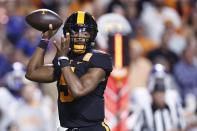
column 81, row 73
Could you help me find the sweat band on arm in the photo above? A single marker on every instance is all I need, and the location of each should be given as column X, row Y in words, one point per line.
column 43, row 44
column 63, row 61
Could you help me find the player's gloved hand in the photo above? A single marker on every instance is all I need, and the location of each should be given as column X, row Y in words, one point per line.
column 63, row 48
column 48, row 34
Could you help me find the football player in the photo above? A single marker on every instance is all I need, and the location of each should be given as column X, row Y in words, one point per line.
column 81, row 73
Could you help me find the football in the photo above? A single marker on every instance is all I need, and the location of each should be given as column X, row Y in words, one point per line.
column 41, row 18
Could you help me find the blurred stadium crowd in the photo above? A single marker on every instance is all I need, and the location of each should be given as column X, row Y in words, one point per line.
column 159, row 44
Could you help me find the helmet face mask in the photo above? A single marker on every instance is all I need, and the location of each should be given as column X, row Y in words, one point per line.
column 83, row 30
column 79, row 40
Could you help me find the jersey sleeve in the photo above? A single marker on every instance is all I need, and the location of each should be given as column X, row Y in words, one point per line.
column 56, row 68
column 101, row 60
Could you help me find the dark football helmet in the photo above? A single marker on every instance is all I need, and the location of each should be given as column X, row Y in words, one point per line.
column 83, row 30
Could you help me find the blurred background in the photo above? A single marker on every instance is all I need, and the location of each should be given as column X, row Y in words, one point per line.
column 153, row 44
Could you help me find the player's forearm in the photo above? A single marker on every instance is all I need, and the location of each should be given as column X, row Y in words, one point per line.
column 75, row 84
column 86, row 83
column 35, row 62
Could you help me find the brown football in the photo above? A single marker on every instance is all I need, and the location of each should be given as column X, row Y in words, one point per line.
column 41, row 18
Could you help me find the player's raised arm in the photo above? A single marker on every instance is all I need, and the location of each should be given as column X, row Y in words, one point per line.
column 78, row 86
column 36, row 70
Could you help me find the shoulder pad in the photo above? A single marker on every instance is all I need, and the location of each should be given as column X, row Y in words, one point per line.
column 99, row 59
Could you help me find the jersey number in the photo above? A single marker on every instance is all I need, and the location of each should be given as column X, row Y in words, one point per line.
column 63, row 97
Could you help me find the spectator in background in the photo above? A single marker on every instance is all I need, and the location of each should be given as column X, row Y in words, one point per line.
column 140, row 36
column 15, row 28
column 132, row 13
column 84, row 5
column 138, row 72
column 5, row 66
column 164, row 52
column 15, row 82
column 100, row 7
column 194, row 18
column 29, row 114
column 6, row 58
column 14, row 79
column 26, row 45
column 13, row 127
column 185, row 73
column 177, row 39
column 117, row 7
column 154, row 15
column 6, row 123
column 8, row 105
column 139, row 68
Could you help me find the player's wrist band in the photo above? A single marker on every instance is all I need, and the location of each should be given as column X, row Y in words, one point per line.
column 43, row 44
column 63, row 61
column 63, row 58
